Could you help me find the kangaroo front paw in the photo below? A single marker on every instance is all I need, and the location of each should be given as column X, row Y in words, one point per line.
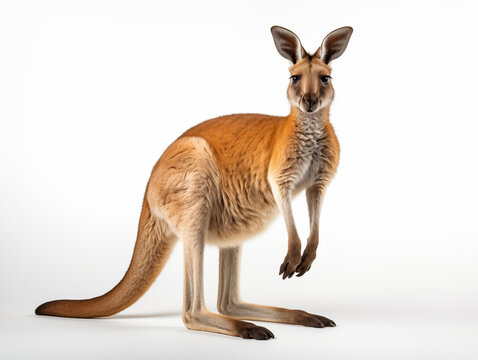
column 251, row 331
column 308, row 258
column 289, row 266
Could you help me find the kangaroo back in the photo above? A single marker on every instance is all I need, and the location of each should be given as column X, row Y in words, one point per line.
column 153, row 247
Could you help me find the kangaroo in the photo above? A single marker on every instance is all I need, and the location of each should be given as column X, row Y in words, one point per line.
column 223, row 181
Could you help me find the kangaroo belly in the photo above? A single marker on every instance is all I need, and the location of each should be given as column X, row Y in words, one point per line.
column 242, row 209
column 242, row 203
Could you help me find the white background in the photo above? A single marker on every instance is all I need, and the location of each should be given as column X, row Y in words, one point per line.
column 92, row 92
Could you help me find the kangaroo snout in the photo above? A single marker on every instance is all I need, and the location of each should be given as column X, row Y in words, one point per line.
column 310, row 102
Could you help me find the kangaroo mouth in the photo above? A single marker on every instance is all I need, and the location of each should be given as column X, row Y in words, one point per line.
column 309, row 107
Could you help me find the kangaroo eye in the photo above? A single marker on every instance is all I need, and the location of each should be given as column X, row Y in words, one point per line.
column 324, row 79
column 295, row 79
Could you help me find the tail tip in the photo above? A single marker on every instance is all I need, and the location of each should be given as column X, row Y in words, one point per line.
column 41, row 310
column 38, row 310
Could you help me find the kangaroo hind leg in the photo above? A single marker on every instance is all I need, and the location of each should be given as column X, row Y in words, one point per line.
column 195, row 314
column 183, row 190
column 230, row 304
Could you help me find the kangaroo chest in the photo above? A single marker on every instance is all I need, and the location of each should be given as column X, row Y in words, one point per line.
column 312, row 155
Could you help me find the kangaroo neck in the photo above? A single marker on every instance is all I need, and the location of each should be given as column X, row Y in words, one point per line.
column 304, row 120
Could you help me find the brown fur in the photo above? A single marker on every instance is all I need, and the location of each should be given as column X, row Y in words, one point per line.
column 223, row 181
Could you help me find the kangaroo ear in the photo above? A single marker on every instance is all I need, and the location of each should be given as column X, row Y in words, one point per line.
column 288, row 44
column 334, row 44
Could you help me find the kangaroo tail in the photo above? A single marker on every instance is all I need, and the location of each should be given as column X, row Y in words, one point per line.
column 153, row 247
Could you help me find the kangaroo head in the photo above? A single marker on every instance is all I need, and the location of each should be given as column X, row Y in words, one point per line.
column 310, row 87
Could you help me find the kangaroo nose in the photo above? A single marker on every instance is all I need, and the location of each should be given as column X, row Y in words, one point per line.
column 307, row 99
